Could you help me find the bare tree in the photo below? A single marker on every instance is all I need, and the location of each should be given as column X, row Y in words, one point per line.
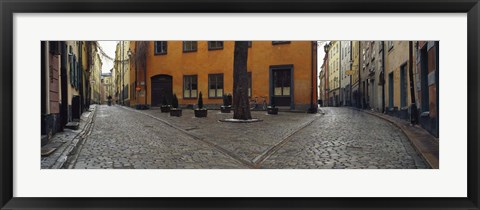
column 140, row 56
column 241, row 108
column 140, row 62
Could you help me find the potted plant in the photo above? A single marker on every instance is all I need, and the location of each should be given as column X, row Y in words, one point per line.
column 227, row 104
column 175, row 111
column 165, row 108
column 200, row 111
column 271, row 109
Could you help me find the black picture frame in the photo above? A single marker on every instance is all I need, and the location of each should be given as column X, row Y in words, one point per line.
column 9, row 7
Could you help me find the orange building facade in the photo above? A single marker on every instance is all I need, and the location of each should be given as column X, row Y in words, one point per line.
column 282, row 71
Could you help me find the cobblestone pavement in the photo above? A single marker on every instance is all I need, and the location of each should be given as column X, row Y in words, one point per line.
column 342, row 138
column 126, row 139
column 249, row 141
column 346, row 138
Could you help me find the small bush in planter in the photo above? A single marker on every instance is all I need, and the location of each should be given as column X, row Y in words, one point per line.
column 165, row 108
column 175, row 111
column 271, row 109
column 200, row 111
column 227, row 104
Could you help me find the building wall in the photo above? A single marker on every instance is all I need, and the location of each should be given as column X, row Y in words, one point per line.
column 107, row 87
column 72, row 49
column 137, row 77
column 370, row 86
column 84, row 67
column 95, row 79
column 427, row 82
column 321, row 86
column 51, row 92
column 355, row 45
column 334, row 72
column 262, row 55
column 327, row 78
column 375, row 100
column 345, row 64
column 396, row 56
column 122, row 69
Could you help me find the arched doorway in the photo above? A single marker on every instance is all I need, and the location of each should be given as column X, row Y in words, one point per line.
column 162, row 85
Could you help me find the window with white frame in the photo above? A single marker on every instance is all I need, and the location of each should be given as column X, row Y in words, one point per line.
column 160, row 47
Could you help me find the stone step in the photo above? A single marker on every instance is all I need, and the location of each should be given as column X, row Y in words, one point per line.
column 48, row 151
column 44, row 139
column 73, row 125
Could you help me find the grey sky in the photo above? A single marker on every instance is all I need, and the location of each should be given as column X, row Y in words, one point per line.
column 109, row 49
column 320, row 55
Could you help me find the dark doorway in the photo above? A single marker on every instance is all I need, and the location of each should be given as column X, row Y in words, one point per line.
column 403, row 85
column 64, row 85
column 390, row 90
column 424, row 79
column 281, row 86
column 162, row 85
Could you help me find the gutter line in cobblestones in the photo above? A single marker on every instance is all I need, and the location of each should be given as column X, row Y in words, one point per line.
column 211, row 144
column 64, row 157
column 72, row 160
column 258, row 161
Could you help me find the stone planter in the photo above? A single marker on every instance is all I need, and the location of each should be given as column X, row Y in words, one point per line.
column 272, row 110
column 225, row 109
column 200, row 112
column 165, row 108
column 175, row 112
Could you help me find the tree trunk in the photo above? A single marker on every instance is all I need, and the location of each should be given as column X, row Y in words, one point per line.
column 241, row 108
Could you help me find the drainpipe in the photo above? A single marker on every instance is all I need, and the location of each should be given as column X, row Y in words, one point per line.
column 312, row 108
column 383, row 71
column 359, row 98
column 437, row 45
column 145, row 77
column 123, row 76
column 413, row 106
column 339, row 71
column 351, row 69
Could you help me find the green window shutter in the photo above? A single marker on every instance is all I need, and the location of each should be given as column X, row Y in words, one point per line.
column 75, row 71
column 71, row 69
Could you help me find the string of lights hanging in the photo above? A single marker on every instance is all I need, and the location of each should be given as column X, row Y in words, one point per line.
column 107, row 57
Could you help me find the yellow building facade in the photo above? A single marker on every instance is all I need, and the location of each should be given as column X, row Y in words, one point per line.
column 397, row 75
column 122, row 73
column 95, row 80
column 334, row 72
column 282, row 70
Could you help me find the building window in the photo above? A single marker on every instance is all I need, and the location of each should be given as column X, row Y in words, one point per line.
column 280, row 42
column 54, row 48
column 215, row 45
column 189, row 46
column 190, row 87
column 281, row 83
column 160, row 47
column 215, row 85
column 390, row 45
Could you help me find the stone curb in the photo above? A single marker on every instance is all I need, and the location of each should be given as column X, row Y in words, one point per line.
column 427, row 147
column 73, row 143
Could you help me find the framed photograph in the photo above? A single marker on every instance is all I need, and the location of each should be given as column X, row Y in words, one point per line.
column 239, row 105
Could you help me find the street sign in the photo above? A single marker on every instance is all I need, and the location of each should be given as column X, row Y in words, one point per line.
column 349, row 72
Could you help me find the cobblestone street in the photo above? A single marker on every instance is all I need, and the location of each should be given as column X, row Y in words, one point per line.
column 122, row 137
